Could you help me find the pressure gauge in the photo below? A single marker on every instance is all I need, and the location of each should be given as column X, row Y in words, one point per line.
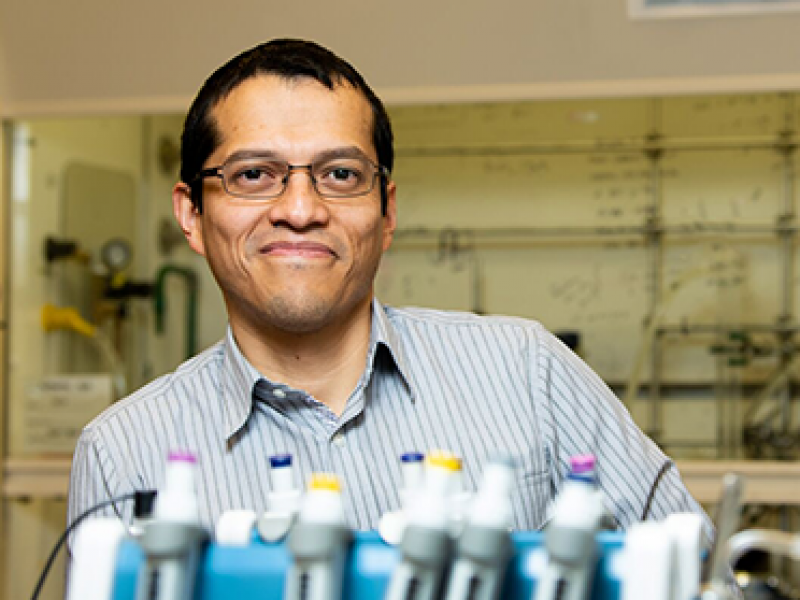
column 116, row 254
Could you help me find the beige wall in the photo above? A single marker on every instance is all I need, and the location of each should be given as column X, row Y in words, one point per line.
column 152, row 55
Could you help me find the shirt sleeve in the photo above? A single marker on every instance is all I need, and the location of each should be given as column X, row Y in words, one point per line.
column 585, row 417
column 94, row 479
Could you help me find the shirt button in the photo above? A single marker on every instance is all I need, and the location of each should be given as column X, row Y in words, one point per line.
column 278, row 393
column 338, row 440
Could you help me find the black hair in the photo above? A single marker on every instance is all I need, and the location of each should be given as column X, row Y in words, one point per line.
column 289, row 59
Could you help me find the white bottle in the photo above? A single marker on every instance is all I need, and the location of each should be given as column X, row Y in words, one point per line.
column 94, row 556
column 485, row 545
column 686, row 531
column 318, row 543
column 177, row 501
column 459, row 500
column 649, row 559
column 283, row 500
column 413, row 467
column 284, row 495
column 174, row 539
column 426, row 539
column 393, row 523
column 570, row 536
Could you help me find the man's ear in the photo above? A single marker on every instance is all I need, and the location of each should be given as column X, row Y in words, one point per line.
column 390, row 218
column 189, row 220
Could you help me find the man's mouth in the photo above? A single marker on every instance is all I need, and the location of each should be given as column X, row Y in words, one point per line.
column 298, row 249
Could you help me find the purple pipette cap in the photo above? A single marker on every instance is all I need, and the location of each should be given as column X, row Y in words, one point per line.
column 583, row 463
column 182, row 456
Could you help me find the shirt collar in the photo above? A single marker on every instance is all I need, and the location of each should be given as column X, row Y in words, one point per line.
column 384, row 333
column 239, row 377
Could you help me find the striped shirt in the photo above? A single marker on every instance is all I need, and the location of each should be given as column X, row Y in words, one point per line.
column 475, row 386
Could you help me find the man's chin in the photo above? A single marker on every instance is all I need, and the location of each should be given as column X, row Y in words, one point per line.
column 300, row 317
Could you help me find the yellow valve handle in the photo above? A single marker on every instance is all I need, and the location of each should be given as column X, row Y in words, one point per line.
column 54, row 317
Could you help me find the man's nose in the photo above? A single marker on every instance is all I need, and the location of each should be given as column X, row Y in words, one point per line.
column 299, row 206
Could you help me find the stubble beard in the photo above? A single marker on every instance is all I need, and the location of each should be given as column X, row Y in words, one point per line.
column 301, row 315
column 302, row 312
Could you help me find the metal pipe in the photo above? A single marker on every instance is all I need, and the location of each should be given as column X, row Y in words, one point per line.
column 726, row 521
column 774, row 542
column 626, row 234
column 721, row 409
column 700, row 328
column 621, row 146
column 779, row 378
column 788, row 247
column 655, row 239
column 501, row 232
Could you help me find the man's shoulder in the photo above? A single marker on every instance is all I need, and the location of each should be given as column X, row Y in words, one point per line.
column 408, row 317
column 169, row 388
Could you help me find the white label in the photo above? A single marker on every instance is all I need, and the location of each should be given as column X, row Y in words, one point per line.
column 58, row 407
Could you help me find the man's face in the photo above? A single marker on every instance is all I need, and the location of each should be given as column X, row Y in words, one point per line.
column 297, row 263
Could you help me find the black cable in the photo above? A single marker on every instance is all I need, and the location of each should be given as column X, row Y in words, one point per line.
column 664, row 468
column 51, row 559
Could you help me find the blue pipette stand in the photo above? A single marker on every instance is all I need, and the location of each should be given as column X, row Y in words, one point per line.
column 258, row 570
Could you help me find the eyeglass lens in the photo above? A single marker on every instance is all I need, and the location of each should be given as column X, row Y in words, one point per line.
column 260, row 177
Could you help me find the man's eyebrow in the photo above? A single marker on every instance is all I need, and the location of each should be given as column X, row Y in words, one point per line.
column 345, row 152
column 245, row 154
column 325, row 155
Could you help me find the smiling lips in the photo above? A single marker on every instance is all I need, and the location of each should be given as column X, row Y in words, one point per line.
column 298, row 249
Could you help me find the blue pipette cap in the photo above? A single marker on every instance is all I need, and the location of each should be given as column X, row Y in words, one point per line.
column 412, row 457
column 280, row 460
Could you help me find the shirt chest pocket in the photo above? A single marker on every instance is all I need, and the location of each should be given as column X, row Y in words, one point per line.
column 532, row 497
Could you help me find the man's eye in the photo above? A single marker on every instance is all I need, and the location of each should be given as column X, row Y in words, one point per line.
column 251, row 174
column 255, row 173
column 343, row 174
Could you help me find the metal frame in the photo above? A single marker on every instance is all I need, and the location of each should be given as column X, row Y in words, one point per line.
column 5, row 182
column 645, row 9
column 652, row 235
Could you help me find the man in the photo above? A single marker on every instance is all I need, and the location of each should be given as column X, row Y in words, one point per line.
column 286, row 191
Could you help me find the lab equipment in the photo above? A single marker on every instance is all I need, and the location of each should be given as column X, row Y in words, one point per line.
column 686, row 532
column 413, row 466
column 662, row 559
column 393, row 523
column 426, row 545
column 569, row 537
column 235, row 527
column 459, row 500
column 649, row 563
column 322, row 560
column 259, row 571
column 716, row 576
column 485, row 544
column 318, row 543
column 94, row 555
column 283, row 500
column 173, row 540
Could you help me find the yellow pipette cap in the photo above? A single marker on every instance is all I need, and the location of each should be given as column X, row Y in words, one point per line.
column 324, row 481
column 444, row 460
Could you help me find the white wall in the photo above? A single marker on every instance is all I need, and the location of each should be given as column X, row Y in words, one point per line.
column 91, row 55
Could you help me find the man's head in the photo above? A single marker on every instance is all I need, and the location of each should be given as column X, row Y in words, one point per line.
column 290, row 60
column 297, row 204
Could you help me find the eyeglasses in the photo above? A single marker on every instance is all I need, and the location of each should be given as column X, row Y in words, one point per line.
column 264, row 177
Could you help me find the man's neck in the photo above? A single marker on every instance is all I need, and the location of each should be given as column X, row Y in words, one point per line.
column 327, row 364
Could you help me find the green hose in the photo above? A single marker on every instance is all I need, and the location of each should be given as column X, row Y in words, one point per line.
column 160, row 303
